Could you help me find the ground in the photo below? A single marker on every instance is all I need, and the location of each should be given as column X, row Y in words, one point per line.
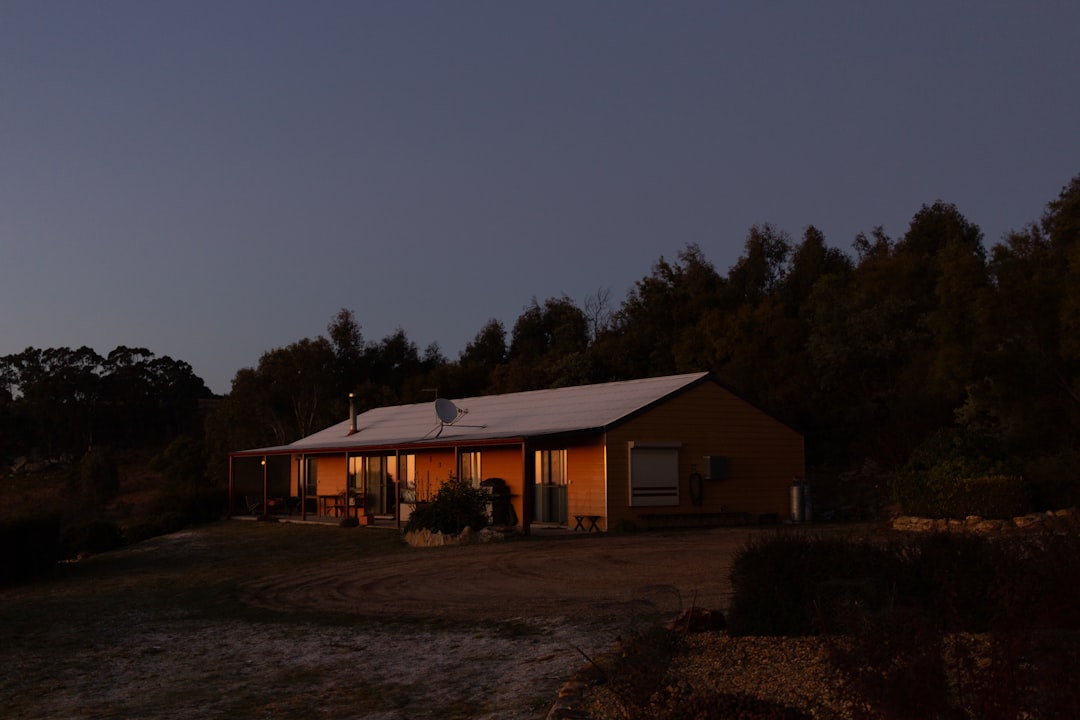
column 264, row 620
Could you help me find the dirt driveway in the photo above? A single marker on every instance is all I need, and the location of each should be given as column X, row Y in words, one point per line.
column 596, row 580
column 257, row 621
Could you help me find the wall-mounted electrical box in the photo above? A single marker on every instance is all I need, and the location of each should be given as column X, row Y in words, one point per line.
column 715, row 467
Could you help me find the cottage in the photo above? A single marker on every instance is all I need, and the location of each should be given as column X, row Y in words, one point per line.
column 674, row 450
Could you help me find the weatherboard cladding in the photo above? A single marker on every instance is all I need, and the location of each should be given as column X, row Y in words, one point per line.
column 497, row 417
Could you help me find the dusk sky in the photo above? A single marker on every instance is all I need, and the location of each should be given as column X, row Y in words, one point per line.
column 211, row 180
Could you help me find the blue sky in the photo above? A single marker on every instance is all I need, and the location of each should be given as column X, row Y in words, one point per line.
column 214, row 179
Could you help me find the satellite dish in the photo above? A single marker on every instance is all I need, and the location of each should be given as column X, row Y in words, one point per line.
column 446, row 410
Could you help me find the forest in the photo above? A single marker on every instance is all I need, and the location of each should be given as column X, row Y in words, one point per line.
column 931, row 349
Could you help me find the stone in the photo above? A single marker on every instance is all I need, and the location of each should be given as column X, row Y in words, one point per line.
column 985, row 527
column 1030, row 520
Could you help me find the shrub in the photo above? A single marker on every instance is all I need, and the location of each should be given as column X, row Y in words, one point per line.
column 1055, row 480
column 988, row 496
column 194, row 504
column 94, row 536
column 797, row 585
column 455, row 506
column 99, row 479
column 182, row 463
column 28, row 546
column 956, row 473
column 997, row 612
column 154, row 526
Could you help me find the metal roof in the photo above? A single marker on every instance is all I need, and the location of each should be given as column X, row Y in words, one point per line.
column 492, row 417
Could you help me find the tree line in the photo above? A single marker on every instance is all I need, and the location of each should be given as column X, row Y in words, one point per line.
column 57, row 402
column 872, row 353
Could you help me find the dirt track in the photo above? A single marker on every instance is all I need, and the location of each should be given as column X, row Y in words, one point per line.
column 476, row 632
column 601, row 581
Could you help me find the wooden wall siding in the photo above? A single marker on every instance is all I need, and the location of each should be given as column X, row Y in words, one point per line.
column 764, row 455
column 433, row 468
column 587, row 493
column 505, row 463
column 332, row 474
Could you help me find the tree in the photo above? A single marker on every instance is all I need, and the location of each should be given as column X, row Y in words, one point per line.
column 349, row 352
column 547, row 346
column 648, row 335
column 762, row 267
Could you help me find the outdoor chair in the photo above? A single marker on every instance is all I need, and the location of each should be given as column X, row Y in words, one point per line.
column 254, row 504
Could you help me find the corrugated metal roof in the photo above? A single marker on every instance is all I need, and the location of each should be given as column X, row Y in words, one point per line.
column 493, row 417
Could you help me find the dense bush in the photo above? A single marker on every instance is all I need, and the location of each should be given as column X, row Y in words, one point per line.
column 939, row 626
column 979, row 628
column 98, row 477
column 28, row 546
column 194, row 504
column 455, row 506
column 959, row 473
column 94, row 536
column 793, row 584
column 1054, row 480
column 989, row 496
column 153, row 526
column 182, row 463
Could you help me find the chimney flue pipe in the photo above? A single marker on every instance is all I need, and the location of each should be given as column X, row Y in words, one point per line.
column 352, row 413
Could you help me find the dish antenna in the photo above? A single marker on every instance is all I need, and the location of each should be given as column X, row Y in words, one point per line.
column 447, row 411
column 448, row 414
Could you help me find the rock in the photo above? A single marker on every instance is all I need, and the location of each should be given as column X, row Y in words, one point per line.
column 985, row 527
column 1030, row 520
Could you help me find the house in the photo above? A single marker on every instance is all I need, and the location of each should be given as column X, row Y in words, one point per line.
column 674, row 450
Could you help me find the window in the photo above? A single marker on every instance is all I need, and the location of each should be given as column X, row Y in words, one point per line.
column 654, row 474
column 311, row 477
column 407, row 477
column 551, row 467
column 469, row 468
column 549, row 501
column 372, row 477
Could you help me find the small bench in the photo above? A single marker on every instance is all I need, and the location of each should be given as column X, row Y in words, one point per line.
column 582, row 519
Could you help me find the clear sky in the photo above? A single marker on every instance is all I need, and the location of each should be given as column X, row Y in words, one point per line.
column 212, row 179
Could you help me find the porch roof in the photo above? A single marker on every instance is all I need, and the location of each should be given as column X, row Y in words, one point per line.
column 493, row 417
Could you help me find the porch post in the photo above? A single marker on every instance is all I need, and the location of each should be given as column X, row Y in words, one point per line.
column 301, row 466
column 231, row 499
column 528, row 488
column 266, row 492
column 397, row 488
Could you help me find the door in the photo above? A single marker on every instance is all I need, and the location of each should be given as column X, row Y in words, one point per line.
column 549, row 504
column 370, row 478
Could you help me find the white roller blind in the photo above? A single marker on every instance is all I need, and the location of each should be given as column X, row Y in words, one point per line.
column 654, row 474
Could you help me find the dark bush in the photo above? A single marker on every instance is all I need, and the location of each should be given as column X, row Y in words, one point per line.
column 990, row 496
column 1006, row 611
column 194, row 504
column 153, row 526
column 455, row 506
column 182, row 463
column 94, row 536
column 949, row 578
column 1054, row 480
column 28, row 547
column 957, row 473
column 793, row 585
column 99, row 478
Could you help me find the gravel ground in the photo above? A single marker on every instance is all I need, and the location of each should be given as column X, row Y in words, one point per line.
column 792, row 674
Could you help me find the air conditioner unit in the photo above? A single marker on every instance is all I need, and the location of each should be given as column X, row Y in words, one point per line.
column 716, row 467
